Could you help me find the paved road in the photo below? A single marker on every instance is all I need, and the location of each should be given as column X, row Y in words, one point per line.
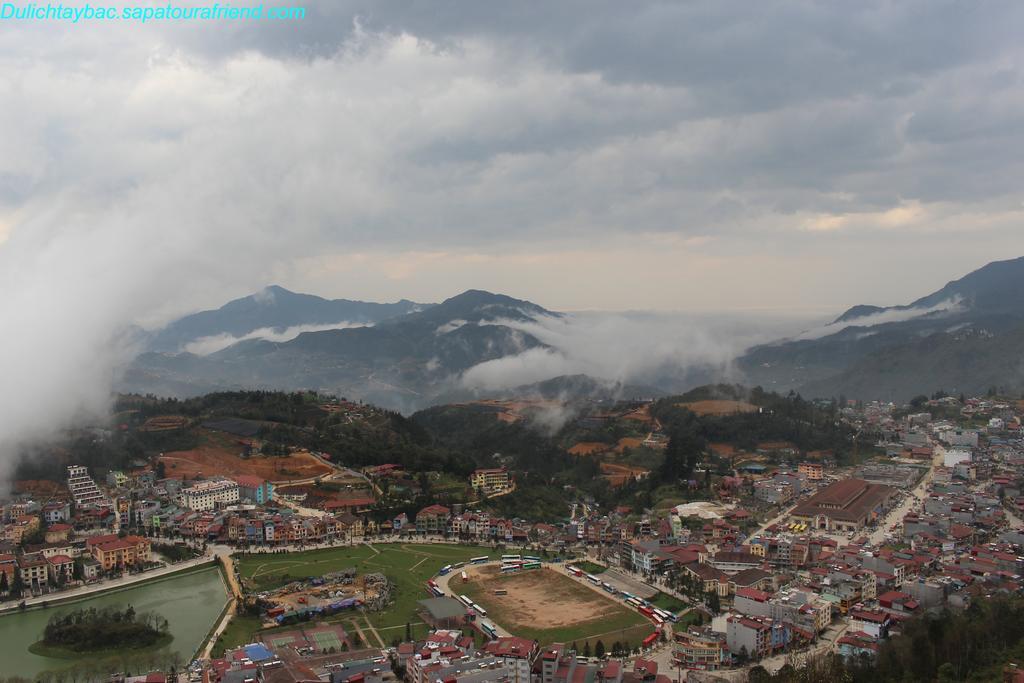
column 912, row 500
column 444, row 583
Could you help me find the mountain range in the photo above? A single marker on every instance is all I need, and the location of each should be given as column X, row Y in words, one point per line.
column 965, row 337
column 400, row 361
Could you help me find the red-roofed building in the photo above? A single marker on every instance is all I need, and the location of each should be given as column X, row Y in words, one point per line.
column 256, row 489
column 898, row 602
column 113, row 552
column 56, row 533
column 752, row 602
column 62, row 568
column 515, row 652
column 433, row 519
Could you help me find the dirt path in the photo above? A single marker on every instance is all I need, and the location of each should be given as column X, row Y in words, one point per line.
column 229, row 571
column 362, row 633
column 373, row 630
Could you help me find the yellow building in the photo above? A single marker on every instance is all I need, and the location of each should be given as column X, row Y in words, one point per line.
column 491, row 480
column 113, row 552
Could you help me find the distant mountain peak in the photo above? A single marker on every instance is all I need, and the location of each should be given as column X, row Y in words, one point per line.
column 899, row 351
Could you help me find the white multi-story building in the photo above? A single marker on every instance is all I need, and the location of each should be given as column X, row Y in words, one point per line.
column 207, row 495
column 960, row 437
column 83, row 489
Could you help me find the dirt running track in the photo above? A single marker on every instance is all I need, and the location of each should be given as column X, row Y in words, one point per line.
column 540, row 599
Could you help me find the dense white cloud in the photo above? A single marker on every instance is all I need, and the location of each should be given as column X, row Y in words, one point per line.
column 627, row 347
column 204, row 346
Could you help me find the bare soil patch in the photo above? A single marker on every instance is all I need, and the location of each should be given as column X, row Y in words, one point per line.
column 589, row 448
column 539, row 599
column 719, row 407
column 216, row 461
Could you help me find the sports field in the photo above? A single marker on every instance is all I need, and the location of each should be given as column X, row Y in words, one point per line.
column 548, row 606
column 408, row 566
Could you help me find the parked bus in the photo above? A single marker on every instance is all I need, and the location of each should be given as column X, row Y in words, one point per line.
column 437, row 592
column 480, row 610
column 459, row 565
column 531, row 558
column 609, row 588
column 646, row 611
column 465, row 599
column 500, row 591
column 505, row 569
column 445, row 569
column 593, row 579
column 651, row 639
column 634, row 602
column 465, row 576
column 488, row 629
column 531, row 565
column 478, row 560
column 511, row 557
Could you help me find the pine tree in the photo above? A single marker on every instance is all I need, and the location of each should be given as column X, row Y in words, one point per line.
column 599, row 650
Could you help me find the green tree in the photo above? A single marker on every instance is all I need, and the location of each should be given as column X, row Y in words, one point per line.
column 714, row 602
column 599, row 650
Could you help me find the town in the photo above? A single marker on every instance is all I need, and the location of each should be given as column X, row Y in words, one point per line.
column 788, row 557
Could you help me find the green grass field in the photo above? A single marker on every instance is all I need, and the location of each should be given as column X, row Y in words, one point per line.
column 553, row 590
column 590, row 568
column 408, row 566
column 669, row 602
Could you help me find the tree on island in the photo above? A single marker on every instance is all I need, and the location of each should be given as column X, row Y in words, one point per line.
column 89, row 629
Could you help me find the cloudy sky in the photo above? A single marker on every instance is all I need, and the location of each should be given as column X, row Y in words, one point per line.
column 584, row 155
column 779, row 157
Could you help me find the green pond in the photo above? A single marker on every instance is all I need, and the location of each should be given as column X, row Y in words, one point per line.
column 190, row 602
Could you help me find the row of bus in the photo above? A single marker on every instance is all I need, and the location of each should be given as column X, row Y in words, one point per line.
column 434, row 589
column 514, row 563
column 656, row 614
column 464, row 599
column 448, row 568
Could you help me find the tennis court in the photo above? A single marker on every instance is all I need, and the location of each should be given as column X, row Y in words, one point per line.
column 290, row 639
column 326, row 638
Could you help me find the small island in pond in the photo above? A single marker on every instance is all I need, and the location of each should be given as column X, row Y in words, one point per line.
column 93, row 630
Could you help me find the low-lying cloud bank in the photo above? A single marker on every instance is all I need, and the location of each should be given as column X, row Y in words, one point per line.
column 894, row 315
column 631, row 347
column 204, row 346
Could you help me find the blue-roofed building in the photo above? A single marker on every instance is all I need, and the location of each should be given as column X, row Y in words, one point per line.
column 258, row 652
